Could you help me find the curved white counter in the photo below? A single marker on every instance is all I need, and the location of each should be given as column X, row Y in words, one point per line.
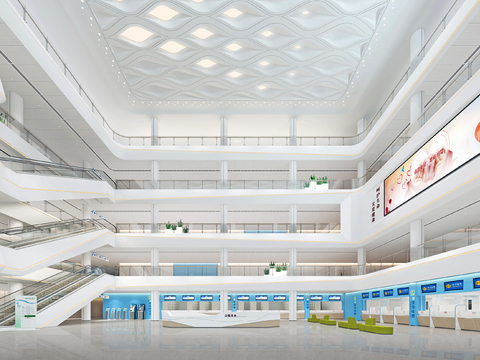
column 222, row 320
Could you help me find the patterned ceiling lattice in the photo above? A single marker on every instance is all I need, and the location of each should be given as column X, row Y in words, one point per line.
column 238, row 50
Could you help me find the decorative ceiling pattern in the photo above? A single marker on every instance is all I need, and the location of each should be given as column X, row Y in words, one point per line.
column 238, row 50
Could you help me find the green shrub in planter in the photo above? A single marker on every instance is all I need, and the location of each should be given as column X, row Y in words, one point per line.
column 307, row 184
column 278, row 269
column 325, row 180
column 168, row 225
column 284, row 267
column 312, row 177
column 272, row 264
column 185, row 229
column 266, row 271
column 180, row 223
column 174, row 227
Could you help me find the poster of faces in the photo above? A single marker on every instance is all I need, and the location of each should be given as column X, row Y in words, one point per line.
column 454, row 145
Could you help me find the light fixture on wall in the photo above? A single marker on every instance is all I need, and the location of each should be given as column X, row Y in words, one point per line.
column 3, row 98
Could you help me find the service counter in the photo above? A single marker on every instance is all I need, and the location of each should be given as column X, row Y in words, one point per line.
column 402, row 317
column 333, row 314
column 423, row 318
column 469, row 320
column 364, row 315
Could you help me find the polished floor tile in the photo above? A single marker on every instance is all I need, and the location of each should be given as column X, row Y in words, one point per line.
column 137, row 340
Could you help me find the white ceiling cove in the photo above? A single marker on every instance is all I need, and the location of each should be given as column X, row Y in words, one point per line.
column 238, row 50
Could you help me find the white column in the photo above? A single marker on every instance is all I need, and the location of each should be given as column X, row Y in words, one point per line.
column 293, row 218
column 416, row 110
column 223, row 131
column 361, row 171
column 15, row 286
column 416, row 44
column 155, row 217
column 361, row 261
column 87, row 310
column 154, row 260
column 293, row 174
column 293, row 132
column 223, row 262
column 223, row 301
column 224, row 219
column 86, row 211
column 361, row 126
column 223, row 174
column 416, row 240
column 292, row 305
column 155, row 174
column 292, row 263
column 14, row 223
column 154, row 133
column 3, row 97
column 15, row 106
column 154, row 298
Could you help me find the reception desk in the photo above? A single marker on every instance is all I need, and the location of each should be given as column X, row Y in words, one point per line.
column 469, row 320
column 443, row 319
column 333, row 314
column 423, row 318
column 402, row 317
column 246, row 319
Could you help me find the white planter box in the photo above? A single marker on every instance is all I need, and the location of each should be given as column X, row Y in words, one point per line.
column 179, row 230
column 313, row 185
column 168, row 231
column 322, row 187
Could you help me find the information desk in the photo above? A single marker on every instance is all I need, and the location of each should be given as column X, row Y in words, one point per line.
column 333, row 314
column 443, row 319
column 364, row 315
column 423, row 318
column 251, row 319
column 402, row 317
column 469, row 320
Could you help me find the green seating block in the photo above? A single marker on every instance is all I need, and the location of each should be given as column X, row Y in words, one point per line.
column 326, row 320
column 313, row 319
column 376, row 329
column 351, row 323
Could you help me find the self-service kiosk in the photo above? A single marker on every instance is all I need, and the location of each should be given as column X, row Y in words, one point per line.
column 141, row 311
column 119, row 313
column 107, row 314
column 133, row 312
column 124, row 317
column 112, row 314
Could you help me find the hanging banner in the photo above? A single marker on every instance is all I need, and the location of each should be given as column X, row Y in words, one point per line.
column 25, row 312
column 101, row 257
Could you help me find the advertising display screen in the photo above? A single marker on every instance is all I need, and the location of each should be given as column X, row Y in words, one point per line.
column 454, row 285
column 261, row 297
column 169, row 297
column 279, row 297
column 334, row 298
column 403, row 291
column 375, row 294
column 476, row 283
column 365, row 295
column 243, row 297
column 300, row 297
column 454, row 145
column 388, row 292
column 316, row 297
column 206, row 297
column 188, row 297
column 429, row 288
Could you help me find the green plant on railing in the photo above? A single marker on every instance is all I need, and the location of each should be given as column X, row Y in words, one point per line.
column 272, row 264
column 185, row 230
column 180, row 223
column 266, row 271
column 312, row 177
column 2, row 120
column 168, row 225
column 307, row 184
column 284, row 267
column 174, row 227
column 278, row 268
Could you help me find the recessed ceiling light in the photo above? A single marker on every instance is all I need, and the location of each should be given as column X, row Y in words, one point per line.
column 197, row 1
column 267, row 33
column 297, row 47
column 202, row 33
column 233, row 13
column 206, row 63
column 264, row 63
column 234, row 47
column 262, row 87
column 163, row 13
column 234, row 74
column 305, row 12
column 136, row 33
column 172, row 47
column 291, row 74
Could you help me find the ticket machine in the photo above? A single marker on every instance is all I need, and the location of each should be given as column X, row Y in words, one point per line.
column 124, row 317
column 133, row 312
column 141, row 311
column 112, row 314
column 119, row 313
column 107, row 314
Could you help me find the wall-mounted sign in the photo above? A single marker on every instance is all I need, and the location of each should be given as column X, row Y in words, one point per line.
column 402, row 291
column 375, row 294
column 456, row 144
column 429, row 288
column 334, row 298
column 101, row 257
column 388, row 292
column 279, row 297
column 300, row 297
column 25, row 312
column 261, row 297
column 169, row 298
column 454, row 285
column 376, row 203
column 243, row 297
column 365, row 295
column 316, row 297
column 476, row 283
column 188, row 297
column 206, row 297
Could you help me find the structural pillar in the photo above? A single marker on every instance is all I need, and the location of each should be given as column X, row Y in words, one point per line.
column 86, row 211
column 293, row 174
column 87, row 310
column 417, row 41
column 293, row 218
column 361, row 126
column 361, row 172
column 155, row 218
column 154, row 131
column 224, row 219
column 224, row 262
column 417, row 238
column 14, row 223
column 154, row 261
column 293, row 132
column 292, row 305
column 416, row 111
column 3, row 97
column 155, row 303
column 155, row 174
column 14, row 287
column 223, row 301
column 292, row 263
column 223, row 175
column 223, row 131
column 15, row 106
column 361, row 261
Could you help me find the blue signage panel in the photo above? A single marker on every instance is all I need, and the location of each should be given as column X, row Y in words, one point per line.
column 316, row 297
column 188, row 297
column 388, row 292
column 365, row 295
column 300, row 297
column 403, row 291
column 454, row 285
column 243, row 297
column 429, row 288
column 261, row 297
column 169, row 298
column 279, row 297
column 334, row 298
column 476, row 283
column 206, row 297
column 375, row 294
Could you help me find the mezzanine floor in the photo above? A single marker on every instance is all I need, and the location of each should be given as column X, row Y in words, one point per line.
column 292, row 340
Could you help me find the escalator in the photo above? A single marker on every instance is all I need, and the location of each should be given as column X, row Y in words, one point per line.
column 22, row 237
column 52, row 289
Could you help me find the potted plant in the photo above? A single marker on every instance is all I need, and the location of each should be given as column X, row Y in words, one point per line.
column 313, row 182
column 284, row 267
column 185, row 229
column 266, row 271
column 272, row 264
column 174, row 227
column 168, row 228
column 180, row 223
column 278, row 268
column 307, row 184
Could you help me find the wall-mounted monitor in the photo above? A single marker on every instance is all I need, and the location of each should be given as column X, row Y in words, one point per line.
column 206, row 297
column 169, row 298
column 476, row 283
column 243, row 297
column 316, row 297
column 365, row 295
column 300, row 297
column 261, row 297
column 453, row 146
column 279, row 297
column 429, row 288
column 188, row 297
column 403, row 291
column 388, row 292
column 334, row 298
column 375, row 294
column 453, row 285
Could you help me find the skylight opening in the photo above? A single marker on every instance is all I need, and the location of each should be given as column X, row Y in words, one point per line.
column 172, row 47
column 163, row 13
column 136, row 33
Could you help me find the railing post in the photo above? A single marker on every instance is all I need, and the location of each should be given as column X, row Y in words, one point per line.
column 46, row 44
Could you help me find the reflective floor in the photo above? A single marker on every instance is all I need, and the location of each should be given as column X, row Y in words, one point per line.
column 292, row 340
